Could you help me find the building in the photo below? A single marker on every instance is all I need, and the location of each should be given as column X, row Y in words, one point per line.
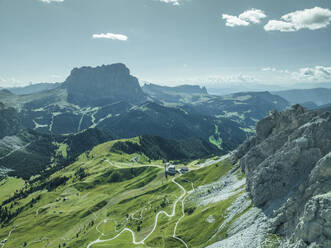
column 184, row 170
column 171, row 170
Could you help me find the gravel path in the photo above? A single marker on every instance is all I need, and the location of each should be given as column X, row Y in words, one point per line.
column 173, row 213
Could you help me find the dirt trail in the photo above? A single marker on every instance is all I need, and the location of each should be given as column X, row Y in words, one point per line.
column 182, row 198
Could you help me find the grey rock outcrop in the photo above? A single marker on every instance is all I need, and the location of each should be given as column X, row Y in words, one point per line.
column 103, row 85
column 288, row 170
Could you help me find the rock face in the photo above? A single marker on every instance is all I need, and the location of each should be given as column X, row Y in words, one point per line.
column 9, row 121
column 103, row 85
column 288, row 170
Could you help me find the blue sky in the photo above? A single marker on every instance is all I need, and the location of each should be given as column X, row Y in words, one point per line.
column 168, row 41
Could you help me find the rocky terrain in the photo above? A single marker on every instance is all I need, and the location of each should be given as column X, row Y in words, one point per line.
column 287, row 167
column 103, row 85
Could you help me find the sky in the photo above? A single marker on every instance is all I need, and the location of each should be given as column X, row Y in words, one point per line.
column 209, row 42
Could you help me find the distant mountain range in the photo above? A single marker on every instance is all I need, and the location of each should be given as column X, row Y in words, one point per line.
column 90, row 160
column 33, row 88
column 318, row 96
column 222, row 88
column 109, row 98
column 177, row 94
column 273, row 191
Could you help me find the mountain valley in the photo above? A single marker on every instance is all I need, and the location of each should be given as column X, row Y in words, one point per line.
column 158, row 166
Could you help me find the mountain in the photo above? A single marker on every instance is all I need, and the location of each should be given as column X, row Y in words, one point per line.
column 25, row 152
column 103, row 85
column 174, row 123
column 177, row 94
column 273, row 191
column 319, row 96
column 245, row 108
column 218, row 86
column 157, row 148
column 9, row 121
column 33, row 88
column 287, row 166
column 116, row 185
column 309, row 105
column 109, row 98
column 325, row 107
column 29, row 153
column 5, row 93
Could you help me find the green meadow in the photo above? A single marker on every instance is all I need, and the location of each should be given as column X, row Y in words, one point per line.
column 105, row 192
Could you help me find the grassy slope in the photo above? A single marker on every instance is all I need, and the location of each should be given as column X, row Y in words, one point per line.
column 9, row 185
column 70, row 213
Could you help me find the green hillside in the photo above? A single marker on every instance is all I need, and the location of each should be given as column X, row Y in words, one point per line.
column 107, row 196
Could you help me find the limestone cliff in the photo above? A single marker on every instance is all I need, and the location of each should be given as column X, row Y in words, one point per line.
column 103, row 85
column 288, row 170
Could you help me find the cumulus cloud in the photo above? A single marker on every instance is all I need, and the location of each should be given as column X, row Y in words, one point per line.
column 312, row 19
column 252, row 16
column 233, row 21
column 317, row 73
column 111, row 36
column 174, row 2
column 52, row 1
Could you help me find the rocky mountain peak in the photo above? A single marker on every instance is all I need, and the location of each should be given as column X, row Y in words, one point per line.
column 102, row 85
column 276, row 121
column 287, row 166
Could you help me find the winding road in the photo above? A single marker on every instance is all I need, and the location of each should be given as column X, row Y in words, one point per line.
column 6, row 239
column 182, row 198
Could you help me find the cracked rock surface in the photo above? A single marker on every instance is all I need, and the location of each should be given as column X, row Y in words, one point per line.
column 288, row 174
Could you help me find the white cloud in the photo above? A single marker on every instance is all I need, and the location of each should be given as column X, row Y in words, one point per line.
column 268, row 69
column 252, row 16
column 174, row 2
column 52, row 1
column 222, row 79
column 10, row 82
column 233, row 21
column 312, row 19
column 306, row 74
column 111, row 36
column 273, row 69
column 317, row 73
